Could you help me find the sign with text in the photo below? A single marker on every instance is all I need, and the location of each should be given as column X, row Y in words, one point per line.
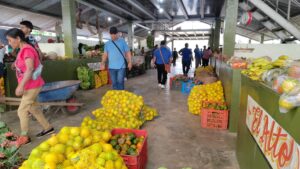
column 280, row 149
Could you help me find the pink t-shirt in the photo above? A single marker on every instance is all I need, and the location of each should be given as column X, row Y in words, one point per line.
column 28, row 52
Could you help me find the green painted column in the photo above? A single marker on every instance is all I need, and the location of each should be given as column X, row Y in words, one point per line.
column 130, row 35
column 217, row 32
column 211, row 39
column 69, row 27
column 230, row 26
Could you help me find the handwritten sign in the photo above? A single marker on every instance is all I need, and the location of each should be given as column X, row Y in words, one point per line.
column 280, row 149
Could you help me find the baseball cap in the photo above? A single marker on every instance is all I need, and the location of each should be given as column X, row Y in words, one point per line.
column 113, row 30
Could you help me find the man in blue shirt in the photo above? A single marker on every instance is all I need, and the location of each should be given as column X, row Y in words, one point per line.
column 116, row 51
column 162, row 56
column 198, row 55
column 187, row 56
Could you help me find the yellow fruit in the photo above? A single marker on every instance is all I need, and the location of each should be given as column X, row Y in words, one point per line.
column 51, row 158
column 36, row 152
column 59, row 148
column 106, row 136
column 109, row 164
column 63, row 138
column 44, row 146
column 77, row 145
column 50, row 166
column 75, row 131
column 87, row 141
column 53, row 140
column 118, row 164
column 85, row 132
column 65, row 130
column 107, row 147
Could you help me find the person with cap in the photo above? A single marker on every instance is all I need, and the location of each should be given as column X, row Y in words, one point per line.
column 27, row 27
column 162, row 56
column 118, row 55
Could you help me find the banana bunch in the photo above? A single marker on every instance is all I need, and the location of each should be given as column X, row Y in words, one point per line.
column 281, row 61
column 257, row 68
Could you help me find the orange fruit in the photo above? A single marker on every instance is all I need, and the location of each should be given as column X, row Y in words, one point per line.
column 53, row 140
column 75, row 131
column 51, row 158
column 85, row 132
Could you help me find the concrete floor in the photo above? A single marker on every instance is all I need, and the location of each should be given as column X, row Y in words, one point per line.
column 176, row 139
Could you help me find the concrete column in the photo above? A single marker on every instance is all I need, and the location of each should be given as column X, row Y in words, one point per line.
column 230, row 27
column 100, row 37
column 249, row 41
column 172, row 45
column 130, row 35
column 69, row 27
column 211, row 39
column 217, row 32
column 262, row 38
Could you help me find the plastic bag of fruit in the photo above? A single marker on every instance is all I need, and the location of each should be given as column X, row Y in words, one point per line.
column 294, row 70
column 277, row 83
column 290, row 100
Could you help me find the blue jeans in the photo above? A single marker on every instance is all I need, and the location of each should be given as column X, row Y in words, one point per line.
column 117, row 77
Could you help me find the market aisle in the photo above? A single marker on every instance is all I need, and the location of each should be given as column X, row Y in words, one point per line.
column 176, row 139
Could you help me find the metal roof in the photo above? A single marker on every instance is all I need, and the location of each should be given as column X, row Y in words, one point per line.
column 146, row 14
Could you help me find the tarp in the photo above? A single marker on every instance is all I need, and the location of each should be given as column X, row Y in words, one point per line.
column 2, row 36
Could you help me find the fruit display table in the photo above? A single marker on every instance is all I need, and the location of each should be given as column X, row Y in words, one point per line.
column 52, row 71
column 263, row 132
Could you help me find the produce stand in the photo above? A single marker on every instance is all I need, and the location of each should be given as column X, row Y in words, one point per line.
column 52, row 72
column 248, row 152
column 231, row 80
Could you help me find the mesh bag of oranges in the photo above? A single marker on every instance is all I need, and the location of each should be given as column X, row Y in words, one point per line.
column 210, row 92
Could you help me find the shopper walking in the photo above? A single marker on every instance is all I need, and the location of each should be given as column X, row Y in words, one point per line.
column 206, row 55
column 30, row 83
column 186, row 54
column 27, row 27
column 198, row 55
column 175, row 56
column 118, row 55
column 162, row 58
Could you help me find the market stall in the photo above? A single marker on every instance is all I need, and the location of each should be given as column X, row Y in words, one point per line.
column 51, row 72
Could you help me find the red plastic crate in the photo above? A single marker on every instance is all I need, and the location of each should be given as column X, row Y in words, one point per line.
column 139, row 161
column 217, row 119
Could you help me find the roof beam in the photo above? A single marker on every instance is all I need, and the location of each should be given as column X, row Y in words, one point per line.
column 158, row 7
column 142, row 26
column 141, row 8
column 186, row 30
column 117, row 7
column 181, row 6
column 101, row 9
column 44, row 5
column 177, row 19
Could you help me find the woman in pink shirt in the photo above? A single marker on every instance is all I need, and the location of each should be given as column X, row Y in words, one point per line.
column 27, row 61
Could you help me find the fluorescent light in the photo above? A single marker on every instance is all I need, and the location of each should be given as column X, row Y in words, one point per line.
column 161, row 10
column 109, row 19
column 160, row 1
column 149, row 32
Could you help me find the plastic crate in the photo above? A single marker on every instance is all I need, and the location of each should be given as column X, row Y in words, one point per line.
column 186, row 87
column 175, row 84
column 139, row 161
column 216, row 119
